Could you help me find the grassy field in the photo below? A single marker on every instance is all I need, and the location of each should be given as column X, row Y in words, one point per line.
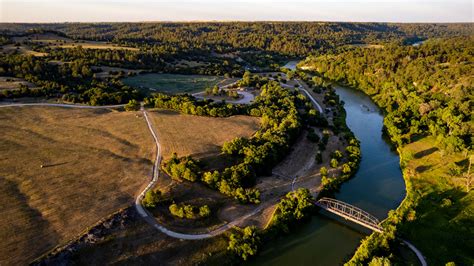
column 53, row 40
column 173, row 83
column 10, row 83
column 442, row 224
column 201, row 137
column 94, row 162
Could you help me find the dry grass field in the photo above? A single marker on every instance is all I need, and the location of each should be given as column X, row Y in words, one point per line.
column 10, row 83
column 199, row 136
column 94, row 162
column 22, row 49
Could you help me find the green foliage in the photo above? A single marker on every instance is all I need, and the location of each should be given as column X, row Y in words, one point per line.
column 235, row 146
column 380, row 261
column 323, row 171
column 152, row 198
column 189, row 211
column 132, row 105
column 424, row 90
column 182, row 168
column 72, row 82
column 333, row 163
column 204, row 211
column 295, row 206
column 245, row 242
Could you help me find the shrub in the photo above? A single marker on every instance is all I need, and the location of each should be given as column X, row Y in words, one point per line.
column 132, row 105
column 152, row 198
column 245, row 242
column 189, row 211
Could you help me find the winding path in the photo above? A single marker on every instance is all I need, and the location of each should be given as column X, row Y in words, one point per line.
column 320, row 109
column 149, row 217
column 418, row 253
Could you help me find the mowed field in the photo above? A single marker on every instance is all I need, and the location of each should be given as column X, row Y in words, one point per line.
column 199, row 136
column 173, row 83
column 94, row 163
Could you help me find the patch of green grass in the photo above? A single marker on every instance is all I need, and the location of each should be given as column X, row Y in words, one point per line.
column 437, row 215
column 441, row 224
column 173, row 83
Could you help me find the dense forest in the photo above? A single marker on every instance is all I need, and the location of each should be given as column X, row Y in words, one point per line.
column 224, row 49
column 426, row 93
column 424, row 90
column 285, row 38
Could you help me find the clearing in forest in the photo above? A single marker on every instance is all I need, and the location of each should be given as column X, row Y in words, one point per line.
column 173, row 83
column 199, row 136
column 62, row 170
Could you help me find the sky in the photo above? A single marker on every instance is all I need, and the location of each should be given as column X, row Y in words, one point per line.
column 231, row 10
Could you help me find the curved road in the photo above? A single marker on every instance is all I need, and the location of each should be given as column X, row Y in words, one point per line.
column 149, row 217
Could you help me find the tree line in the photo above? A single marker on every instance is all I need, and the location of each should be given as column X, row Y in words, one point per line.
column 423, row 90
column 280, row 125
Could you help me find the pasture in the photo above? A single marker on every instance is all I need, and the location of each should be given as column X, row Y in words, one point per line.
column 173, row 83
column 199, row 136
column 62, row 170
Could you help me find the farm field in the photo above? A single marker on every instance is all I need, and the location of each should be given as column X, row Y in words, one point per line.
column 62, row 170
column 199, row 136
column 173, row 83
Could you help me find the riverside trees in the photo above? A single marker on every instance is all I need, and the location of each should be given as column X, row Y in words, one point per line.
column 280, row 125
column 424, row 90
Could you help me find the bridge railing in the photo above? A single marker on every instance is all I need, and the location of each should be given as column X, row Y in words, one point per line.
column 350, row 212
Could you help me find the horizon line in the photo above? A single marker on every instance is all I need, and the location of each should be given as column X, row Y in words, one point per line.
column 230, row 21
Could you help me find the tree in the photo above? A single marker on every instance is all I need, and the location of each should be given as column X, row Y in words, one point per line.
column 380, row 261
column 204, row 211
column 333, row 163
column 152, row 198
column 346, row 169
column 324, row 171
column 132, row 105
column 245, row 242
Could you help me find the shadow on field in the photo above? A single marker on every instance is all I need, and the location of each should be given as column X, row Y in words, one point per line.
column 445, row 222
column 426, row 152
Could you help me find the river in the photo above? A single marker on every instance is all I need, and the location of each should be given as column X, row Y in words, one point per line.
column 377, row 187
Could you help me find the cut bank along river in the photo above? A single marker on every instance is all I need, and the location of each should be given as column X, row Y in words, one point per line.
column 377, row 187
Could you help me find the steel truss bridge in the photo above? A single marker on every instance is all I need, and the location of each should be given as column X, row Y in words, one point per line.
column 351, row 213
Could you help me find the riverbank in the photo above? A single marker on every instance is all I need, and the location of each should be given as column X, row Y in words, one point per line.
column 437, row 209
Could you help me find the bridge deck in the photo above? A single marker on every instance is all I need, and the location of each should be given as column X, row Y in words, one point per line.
column 351, row 213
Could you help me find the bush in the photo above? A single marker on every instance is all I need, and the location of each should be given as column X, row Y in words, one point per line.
column 182, row 168
column 293, row 207
column 204, row 211
column 245, row 242
column 132, row 105
column 189, row 211
column 152, row 198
